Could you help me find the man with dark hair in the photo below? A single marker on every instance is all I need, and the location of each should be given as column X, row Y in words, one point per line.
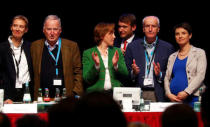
column 126, row 29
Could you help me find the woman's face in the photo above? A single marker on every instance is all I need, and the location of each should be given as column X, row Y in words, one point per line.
column 109, row 38
column 182, row 36
column 18, row 28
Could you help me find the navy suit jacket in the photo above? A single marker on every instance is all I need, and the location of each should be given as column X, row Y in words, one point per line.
column 7, row 70
column 118, row 41
column 136, row 51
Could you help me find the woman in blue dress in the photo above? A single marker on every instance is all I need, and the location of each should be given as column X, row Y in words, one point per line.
column 186, row 68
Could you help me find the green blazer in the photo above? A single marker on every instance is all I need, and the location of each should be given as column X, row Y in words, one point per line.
column 95, row 79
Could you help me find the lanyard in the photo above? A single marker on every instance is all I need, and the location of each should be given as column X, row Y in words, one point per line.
column 57, row 57
column 148, row 60
column 17, row 62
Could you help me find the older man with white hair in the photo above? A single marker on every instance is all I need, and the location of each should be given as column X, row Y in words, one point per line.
column 147, row 59
column 56, row 61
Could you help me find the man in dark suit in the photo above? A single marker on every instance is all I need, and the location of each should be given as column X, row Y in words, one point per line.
column 126, row 29
column 147, row 59
column 56, row 61
column 15, row 62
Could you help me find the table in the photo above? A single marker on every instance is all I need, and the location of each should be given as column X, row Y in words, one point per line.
column 153, row 119
column 14, row 116
column 150, row 118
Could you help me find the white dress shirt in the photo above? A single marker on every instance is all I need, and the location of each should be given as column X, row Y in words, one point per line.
column 24, row 75
column 50, row 48
column 107, row 82
column 129, row 40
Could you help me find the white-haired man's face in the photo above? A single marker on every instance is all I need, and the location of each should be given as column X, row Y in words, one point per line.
column 151, row 28
column 52, row 31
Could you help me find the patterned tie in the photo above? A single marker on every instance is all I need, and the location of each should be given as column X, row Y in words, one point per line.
column 125, row 43
column 150, row 45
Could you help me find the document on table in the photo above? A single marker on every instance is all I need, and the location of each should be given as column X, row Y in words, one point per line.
column 160, row 106
column 20, row 108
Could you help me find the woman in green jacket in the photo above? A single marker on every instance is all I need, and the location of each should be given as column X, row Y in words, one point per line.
column 103, row 65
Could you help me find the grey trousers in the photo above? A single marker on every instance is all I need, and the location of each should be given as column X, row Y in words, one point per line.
column 149, row 95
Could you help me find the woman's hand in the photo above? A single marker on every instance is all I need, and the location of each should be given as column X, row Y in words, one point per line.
column 173, row 98
column 182, row 95
column 115, row 58
column 96, row 58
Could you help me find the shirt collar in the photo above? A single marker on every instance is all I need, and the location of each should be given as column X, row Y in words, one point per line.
column 11, row 43
column 147, row 45
column 51, row 47
column 130, row 39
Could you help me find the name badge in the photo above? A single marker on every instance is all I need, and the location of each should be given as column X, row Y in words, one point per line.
column 148, row 82
column 57, row 82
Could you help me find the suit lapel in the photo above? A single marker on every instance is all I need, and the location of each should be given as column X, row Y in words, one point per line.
column 158, row 50
column 10, row 60
column 191, row 55
column 40, row 49
column 65, row 54
column 110, row 55
column 26, row 50
column 141, row 57
column 99, row 54
column 173, row 59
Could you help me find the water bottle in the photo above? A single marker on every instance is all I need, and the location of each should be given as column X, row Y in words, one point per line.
column 40, row 99
column 46, row 95
column 200, row 94
column 197, row 104
column 57, row 95
column 64, row 93
column 26, row 96
column 141, row 101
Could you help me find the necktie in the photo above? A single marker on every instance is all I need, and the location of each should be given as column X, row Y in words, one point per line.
column 125, row 43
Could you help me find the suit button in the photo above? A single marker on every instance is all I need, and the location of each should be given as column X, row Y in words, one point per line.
column 189, row 78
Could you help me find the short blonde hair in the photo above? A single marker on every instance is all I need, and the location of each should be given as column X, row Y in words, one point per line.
column 22, row 18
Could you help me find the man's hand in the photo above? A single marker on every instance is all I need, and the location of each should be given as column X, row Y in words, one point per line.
column 135, row 68
column 156, row 68
column 8, row 101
